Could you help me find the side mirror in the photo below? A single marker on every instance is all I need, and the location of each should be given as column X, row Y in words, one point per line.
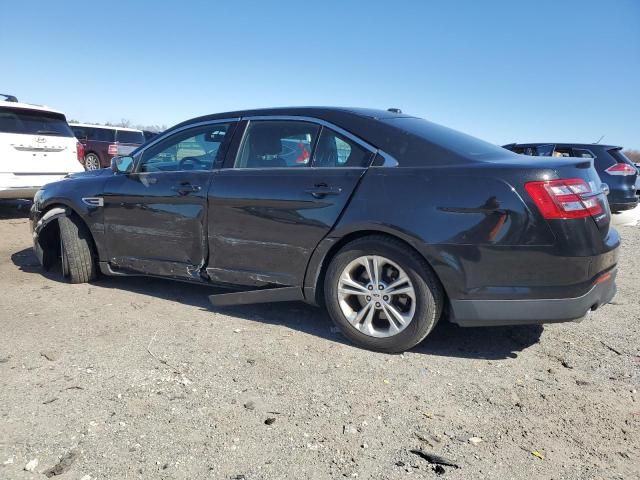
column 122, row 164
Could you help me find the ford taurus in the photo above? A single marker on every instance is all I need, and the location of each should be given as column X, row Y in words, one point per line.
column 390, row 221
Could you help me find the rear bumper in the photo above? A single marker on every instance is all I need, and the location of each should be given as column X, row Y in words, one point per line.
column 619, row 206
column 18, row 192
column 25, row 186
column 478, row 313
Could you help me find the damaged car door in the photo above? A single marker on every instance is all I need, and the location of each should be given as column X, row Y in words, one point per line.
column 155, row 216
column 278, row 198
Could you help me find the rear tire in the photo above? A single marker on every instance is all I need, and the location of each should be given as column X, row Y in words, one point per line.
column 400, row 320
column 77, row 256
column 92, row 162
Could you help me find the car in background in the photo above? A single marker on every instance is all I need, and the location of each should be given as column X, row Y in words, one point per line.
column 388, row 220
column 36, row 147
column 613, row 167
column 102, row 143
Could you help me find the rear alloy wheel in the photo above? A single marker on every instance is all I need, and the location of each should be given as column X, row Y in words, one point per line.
column 92, row 162
column 376, row 296
column 382, row 294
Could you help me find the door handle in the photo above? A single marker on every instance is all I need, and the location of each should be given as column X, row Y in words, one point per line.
column 319, row 190
column 185, row 188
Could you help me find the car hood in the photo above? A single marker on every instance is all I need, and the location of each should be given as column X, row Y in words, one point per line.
column 91, row 173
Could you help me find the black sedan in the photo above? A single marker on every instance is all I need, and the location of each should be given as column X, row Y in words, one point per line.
column 389, row 220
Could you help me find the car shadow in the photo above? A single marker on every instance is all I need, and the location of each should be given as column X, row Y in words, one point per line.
column 447, row 340
column 14, row 209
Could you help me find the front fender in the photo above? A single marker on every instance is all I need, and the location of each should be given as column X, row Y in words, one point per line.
column 81, row 196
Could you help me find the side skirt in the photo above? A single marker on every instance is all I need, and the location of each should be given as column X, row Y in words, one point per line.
column 264, row 295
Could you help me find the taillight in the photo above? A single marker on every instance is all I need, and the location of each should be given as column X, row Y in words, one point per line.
column 621, row 169
column 80, row 152
column 113, row 149
column 566, row 198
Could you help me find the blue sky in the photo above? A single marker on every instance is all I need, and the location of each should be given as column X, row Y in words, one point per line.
column 537, row 70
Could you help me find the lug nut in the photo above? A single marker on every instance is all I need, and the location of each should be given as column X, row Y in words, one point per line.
column 385, row 298
column 380, row 287
column 370, row 287
column 368, row 299
column 377, row 304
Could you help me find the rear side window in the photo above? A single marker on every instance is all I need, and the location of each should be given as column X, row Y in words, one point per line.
column 582, row 153
column 453, row 140
column 101, row 134
column 33, row 122
column 277, row 144
column 335, row 150
column 126, row 136
column 620, row 157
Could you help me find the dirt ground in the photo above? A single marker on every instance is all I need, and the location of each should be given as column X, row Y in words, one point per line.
column 140, row 378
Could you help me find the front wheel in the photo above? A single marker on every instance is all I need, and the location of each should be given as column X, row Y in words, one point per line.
column 76, row 251
column 382, row 295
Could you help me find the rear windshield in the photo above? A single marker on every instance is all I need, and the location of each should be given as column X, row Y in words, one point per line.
column 126, row 136
column 449, row 139
column 33, row 122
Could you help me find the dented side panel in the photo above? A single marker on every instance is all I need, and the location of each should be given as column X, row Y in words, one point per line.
column 154, row 227
column 264, row 224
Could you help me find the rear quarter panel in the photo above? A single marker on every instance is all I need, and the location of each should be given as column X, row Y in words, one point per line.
column 473, row 226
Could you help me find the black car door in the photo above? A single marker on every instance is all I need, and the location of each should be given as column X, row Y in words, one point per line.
column 155, row 217
column 278, row 197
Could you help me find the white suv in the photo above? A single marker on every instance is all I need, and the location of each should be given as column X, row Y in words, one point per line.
column 36, row 147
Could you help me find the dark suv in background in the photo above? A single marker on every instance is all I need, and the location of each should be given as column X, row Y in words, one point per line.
column 102, row 143
column 613, row 167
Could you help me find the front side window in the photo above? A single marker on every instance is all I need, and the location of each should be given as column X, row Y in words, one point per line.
column 195, row 149
column 335, row 150
column 277, row 144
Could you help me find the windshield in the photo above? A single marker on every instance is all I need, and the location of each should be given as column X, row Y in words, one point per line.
column 33, row 122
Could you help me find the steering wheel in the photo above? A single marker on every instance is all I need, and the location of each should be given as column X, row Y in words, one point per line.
column 190, row 163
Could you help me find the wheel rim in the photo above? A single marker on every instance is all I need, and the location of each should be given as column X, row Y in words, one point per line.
column 91, row 162
column 376, row 296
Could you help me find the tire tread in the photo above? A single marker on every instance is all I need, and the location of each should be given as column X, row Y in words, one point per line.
column 76, row 242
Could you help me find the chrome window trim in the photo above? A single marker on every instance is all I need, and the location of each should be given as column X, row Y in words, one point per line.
column 389, row 161
column 317, row 121
column 164, row 136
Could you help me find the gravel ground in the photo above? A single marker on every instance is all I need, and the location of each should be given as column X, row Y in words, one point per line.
column 140, row 378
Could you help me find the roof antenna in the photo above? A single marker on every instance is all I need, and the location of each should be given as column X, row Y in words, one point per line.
column 8, row 98
column 599, row 140
column 394, row 110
